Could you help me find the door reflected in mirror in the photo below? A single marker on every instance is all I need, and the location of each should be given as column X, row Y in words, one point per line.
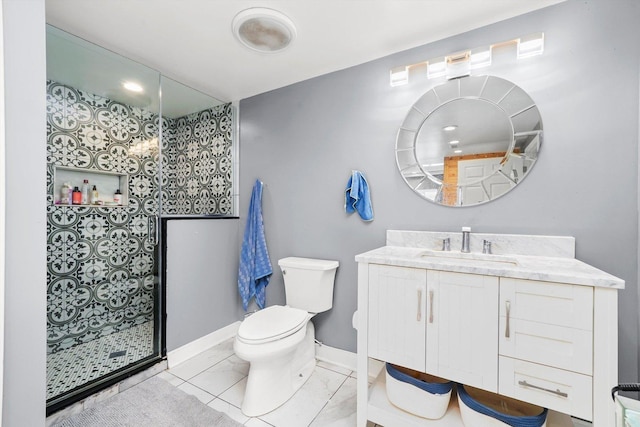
column 469, row 141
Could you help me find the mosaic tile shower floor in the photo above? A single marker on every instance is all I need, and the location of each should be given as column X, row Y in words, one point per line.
column 78, row 365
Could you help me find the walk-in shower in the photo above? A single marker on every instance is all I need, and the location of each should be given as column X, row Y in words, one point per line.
column 147, row 156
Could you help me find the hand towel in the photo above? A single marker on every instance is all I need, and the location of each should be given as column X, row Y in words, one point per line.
column 358, row 197
column 255, row 268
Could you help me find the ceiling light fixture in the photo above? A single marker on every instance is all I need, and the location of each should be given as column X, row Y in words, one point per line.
column 450, row 128
column 132, row 86
column 263, row 30
column 454, row 142
column 460, row 63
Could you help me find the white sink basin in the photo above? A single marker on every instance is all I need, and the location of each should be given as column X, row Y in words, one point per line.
column 453, row 257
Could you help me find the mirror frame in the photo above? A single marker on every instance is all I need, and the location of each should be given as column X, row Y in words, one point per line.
column 526, row 139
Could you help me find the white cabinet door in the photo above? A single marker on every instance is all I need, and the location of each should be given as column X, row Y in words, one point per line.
column 397, row 306
column 462, row 328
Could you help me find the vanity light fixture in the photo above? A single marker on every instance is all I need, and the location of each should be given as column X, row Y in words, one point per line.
column 132, row 86
column 399, row 76
column 263, row 30
column 461, row 63
column 530, row 45
column 436, row 68
column 480, row 58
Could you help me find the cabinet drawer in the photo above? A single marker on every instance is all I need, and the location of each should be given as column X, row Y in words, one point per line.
column 545, row 302
column 557, row 346
column 552, row 388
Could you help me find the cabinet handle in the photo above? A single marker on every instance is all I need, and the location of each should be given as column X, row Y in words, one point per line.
column 419, row 316
column 556, row 391
column 507, row 329
column 430, row 305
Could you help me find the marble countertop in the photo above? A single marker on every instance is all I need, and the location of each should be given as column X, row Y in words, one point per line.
column 548, row 269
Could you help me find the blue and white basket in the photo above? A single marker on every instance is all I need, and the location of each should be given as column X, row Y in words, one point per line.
column 480, row 408
column 418, row 393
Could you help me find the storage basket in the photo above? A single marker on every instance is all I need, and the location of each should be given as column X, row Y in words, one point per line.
column 418, row 393
column 480, row 408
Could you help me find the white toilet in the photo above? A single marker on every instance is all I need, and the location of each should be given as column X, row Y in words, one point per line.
column 278, row 342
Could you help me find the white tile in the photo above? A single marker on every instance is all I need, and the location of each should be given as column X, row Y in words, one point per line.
column 220, row 377
column 200, row 394
column 340, row 411
column 232, row 411
column 235, row 394
column 203, row 361
column 303, row 407
column 171, row 379
column 257, row 422
column 335, row 368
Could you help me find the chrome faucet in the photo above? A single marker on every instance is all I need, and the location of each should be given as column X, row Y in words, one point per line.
column 466, row 236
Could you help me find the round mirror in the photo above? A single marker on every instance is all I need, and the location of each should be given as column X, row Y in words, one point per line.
column 469, row 140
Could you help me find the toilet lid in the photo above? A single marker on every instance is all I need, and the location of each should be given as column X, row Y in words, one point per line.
column 272, row 323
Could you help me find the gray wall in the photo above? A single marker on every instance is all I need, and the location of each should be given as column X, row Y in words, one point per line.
column 25, row 276
column 304, row 140
column 202, row 277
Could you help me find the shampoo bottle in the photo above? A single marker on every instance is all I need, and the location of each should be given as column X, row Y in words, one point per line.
column 64, row 194
column 76, row 196
column 117, row 197
column 94, row 196
column 85, row 192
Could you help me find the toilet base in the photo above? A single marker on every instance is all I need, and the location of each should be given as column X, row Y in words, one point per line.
column 273, row 382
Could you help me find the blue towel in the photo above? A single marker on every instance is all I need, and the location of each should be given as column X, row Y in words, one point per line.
column 357, row 197
column 255, row 267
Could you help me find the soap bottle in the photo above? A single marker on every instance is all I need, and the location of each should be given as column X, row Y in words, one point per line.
column 85, row 192
column 117, row 197
column 76, row 196
column 94, row 196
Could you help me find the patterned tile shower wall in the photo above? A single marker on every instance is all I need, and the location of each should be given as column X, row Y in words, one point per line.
column 197, row 163
column 100, row 276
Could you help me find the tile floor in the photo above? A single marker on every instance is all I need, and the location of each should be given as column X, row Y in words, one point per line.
column 83, row 363
column 218, row 378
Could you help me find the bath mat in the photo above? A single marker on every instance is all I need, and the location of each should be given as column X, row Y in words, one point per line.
column 152, row 403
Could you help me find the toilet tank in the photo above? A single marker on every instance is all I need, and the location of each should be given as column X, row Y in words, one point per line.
column 308, row 283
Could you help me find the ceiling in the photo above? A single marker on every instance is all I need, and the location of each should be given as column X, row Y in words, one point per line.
column 191, row 40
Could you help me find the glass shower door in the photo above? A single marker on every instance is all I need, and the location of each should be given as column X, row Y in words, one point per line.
column 103, row 287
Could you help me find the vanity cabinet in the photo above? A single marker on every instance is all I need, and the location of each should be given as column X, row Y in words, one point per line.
column 548, row 343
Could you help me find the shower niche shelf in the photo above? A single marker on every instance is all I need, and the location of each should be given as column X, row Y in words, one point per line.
column 106, row 183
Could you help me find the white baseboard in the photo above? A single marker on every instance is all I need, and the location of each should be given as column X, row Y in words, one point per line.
column 187, row 351
column 336, row 356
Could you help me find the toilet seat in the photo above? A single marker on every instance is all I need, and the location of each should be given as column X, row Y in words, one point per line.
column 271, row 324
